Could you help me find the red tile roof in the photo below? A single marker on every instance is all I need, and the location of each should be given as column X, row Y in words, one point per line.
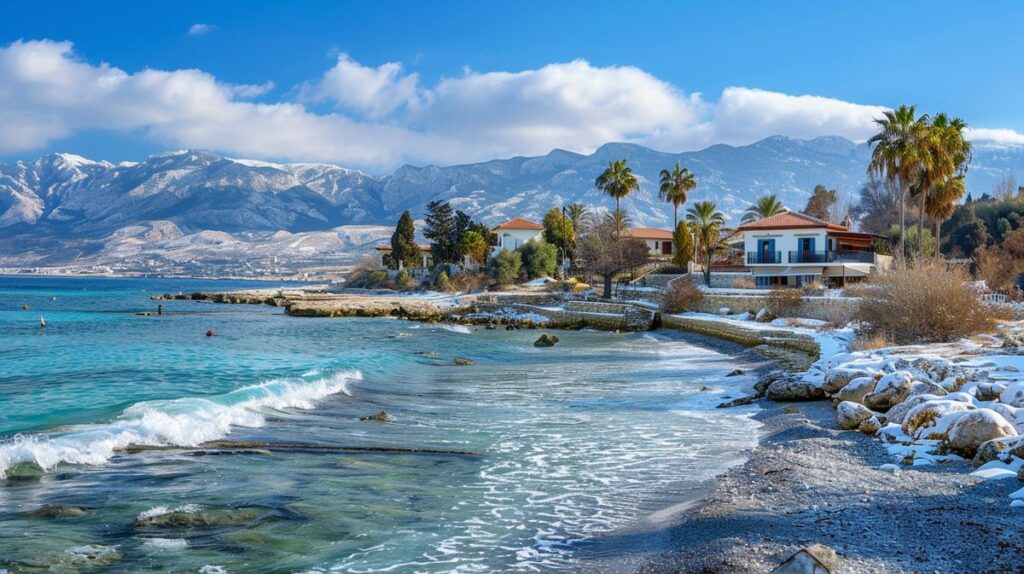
column 647, row 233
column 519, row 223
column 791, row 220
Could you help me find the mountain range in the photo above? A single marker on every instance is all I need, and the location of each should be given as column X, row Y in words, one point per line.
column 192, row 210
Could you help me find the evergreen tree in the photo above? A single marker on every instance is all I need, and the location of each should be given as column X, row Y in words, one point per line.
column 505, row 266
column 441, row 230
column 682, row 245
column 539, row 258
column 403, row 243
column 559, row 231
column 473, row 244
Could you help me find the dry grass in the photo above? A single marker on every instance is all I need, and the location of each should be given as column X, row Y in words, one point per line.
column 744, row 282
column 467, row 282
column 924, row 303
column 681, row 295
column 784, row 302
column 871, row 342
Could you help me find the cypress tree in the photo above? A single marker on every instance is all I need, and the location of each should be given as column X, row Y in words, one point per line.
column 403, row 242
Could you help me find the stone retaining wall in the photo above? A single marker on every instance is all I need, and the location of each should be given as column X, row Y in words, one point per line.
column 796, row 349
column 823, row 308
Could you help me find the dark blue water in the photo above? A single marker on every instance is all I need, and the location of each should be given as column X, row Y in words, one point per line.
column 563, row 445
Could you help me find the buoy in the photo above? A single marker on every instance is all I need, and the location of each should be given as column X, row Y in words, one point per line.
column 211, row 333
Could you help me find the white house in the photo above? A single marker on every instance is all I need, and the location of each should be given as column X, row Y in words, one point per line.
column 793, row 249
column 516, row 232
column 659, row 241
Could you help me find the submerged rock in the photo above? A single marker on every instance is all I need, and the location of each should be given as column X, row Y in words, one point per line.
column 742, row 401
column 545, row 340
column 58, row 511
column 88, row 556
column 381, row 417
column 735, row 373
column 192, row 516
column 461, row 362
column 24, row 471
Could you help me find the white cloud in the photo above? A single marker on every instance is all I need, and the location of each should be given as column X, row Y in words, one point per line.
column 998, row 136
column 200, row 29
column 384, row 116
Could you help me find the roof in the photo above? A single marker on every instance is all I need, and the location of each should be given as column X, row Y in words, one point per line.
column 791, row 220
column 647, row 233
column 519, row 223
column 387, row 247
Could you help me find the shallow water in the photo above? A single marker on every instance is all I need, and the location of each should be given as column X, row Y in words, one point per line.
column 562, row 444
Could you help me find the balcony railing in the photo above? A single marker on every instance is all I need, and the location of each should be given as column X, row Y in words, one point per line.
column 840, row 256
column 769, row 257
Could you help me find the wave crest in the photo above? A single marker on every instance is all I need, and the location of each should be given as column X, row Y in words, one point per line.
column 188, row 421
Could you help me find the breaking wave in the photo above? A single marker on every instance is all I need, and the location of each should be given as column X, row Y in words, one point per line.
column 188, row 421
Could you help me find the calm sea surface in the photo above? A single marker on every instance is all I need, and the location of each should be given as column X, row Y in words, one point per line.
column 558, row 446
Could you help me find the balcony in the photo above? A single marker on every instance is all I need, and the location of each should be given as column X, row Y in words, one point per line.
column 840, row 256
column 764, row 258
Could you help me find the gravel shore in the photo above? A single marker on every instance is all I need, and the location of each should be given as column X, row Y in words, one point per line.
column 808, row 482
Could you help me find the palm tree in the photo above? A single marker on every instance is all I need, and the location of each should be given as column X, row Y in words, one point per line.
column 941, row 182
column 706, row 224
column 617, row 181
column 675, row 185
column 897, row 153
column 765, row 206
column 578, row 215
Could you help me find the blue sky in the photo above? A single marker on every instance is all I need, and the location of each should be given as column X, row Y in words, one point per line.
column 672, row 75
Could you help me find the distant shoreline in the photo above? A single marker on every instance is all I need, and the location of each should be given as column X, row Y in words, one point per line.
column 146, row 276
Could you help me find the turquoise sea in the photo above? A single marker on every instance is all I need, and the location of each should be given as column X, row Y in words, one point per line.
column 559, row 449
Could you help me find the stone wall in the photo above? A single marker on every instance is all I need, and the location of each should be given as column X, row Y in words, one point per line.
column 823, row 308
column 576, row 314
column 796, row 350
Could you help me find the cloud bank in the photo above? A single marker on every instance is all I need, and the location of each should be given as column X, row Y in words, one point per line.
column 379, row 117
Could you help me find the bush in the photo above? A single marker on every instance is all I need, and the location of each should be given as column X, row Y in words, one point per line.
column 403, row 281
column 443, row 283
column 681, row 295
column 924, row 303
column 784, row 301
column 505, row 266
column 813, row 288
column 540, row 258
column 467, row 282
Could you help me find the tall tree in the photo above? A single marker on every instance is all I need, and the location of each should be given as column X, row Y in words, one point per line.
column 706, row 224
column 940, row 186
column 675, row 185
column 765, row 206
column 474, row 245
column 602, row 252
column 442, row 232
column 404, row 249
column 560, row 232
column 579, row 215
column 897, row 153
column 682, row 244
column 617, row 181
column 820, row 203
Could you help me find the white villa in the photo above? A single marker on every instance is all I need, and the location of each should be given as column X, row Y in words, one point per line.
column 516, row 232
column 793, row 249
column 659, row 241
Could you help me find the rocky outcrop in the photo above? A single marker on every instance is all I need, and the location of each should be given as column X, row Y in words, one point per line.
column 546, row 340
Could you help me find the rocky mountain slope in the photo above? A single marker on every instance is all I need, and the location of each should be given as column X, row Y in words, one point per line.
column 63, row 208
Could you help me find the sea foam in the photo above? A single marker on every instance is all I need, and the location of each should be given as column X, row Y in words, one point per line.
column 188, row 421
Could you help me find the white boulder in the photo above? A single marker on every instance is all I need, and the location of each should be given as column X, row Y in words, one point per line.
column 849, row 415
column 856, row 389
column 976, row 427
column 891, row 389
column 926, row 414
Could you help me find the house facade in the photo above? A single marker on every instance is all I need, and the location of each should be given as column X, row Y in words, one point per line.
column 516, row 232
column 794, row 249
column 659, row 241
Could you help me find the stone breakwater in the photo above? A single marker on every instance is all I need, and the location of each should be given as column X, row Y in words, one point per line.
column 796, row 350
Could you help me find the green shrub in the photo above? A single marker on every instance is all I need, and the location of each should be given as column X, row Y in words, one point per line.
column 443, row 283
column 539, row 258
column 505, row 266
column 404, row 282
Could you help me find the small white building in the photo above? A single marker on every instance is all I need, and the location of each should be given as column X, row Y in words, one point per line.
column 792, row 249
column 516, row 232
column 659, row 241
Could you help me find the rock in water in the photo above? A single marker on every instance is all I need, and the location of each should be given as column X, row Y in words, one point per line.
column 381, row 417
column 815, row 559
column 545, row 340
column 735, row 373
column 459, row 361
column 58, row 511
column 976, row 427
column 849, row 415
column 784, row 390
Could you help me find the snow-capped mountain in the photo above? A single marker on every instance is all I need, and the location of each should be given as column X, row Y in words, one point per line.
column 63, row 208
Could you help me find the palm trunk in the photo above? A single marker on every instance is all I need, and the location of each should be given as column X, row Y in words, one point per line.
column 903, row 219
column 920, row 225
column 938, row 239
